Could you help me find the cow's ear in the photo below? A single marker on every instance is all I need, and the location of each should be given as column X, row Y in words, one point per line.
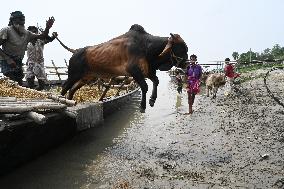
column 172, row 35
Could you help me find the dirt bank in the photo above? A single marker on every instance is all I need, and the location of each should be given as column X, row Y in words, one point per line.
column 229, row 142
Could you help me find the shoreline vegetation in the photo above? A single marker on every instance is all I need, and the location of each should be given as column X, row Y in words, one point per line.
column 247, row 72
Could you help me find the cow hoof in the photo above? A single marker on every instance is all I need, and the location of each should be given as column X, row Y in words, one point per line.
column 151, row 102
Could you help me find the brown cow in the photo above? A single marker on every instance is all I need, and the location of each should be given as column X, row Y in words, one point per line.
column 135, row 53
column 213, row 82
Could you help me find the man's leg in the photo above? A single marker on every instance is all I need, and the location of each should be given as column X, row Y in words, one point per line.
column 41, row 85
column 39, row 72
column 31, row 82
column 193, row 97
column 30, row 76
column 190, row 102
column 18, row 71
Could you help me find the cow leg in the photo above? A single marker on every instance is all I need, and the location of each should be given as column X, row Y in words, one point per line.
column 153, row 97
column 214, row 91
column 138, row 76
column 75, row 87
column 66, row 86
column 207, row 91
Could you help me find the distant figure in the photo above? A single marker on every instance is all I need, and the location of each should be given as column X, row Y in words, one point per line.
column 35, row 61
column 14, row 40
column 194, row 73
column 179, row 82
column 230, row 74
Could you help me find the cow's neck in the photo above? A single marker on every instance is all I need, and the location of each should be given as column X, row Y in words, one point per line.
column 155, row 46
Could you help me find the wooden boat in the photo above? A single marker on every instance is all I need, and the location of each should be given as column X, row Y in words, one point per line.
column 30, row 127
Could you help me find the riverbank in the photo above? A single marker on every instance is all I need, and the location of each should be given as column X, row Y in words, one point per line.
column 230, row 142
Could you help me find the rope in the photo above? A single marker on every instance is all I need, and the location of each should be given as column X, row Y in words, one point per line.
column 268, row 90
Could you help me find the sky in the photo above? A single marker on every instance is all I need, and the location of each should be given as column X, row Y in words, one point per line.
column 212, row 29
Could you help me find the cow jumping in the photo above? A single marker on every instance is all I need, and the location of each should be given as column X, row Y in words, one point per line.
column 136, row 53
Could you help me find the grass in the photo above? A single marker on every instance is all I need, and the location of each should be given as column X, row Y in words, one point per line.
column 253, row 67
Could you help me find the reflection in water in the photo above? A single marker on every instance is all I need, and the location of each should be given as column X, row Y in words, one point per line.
column 69, row 166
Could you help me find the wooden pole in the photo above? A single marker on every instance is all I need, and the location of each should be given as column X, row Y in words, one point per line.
column 107, row 87
column 57, row 73
column 56, row 70
column 62, row 99
column 36, row 117
column 66, row 63
column 15, row 109
column 8, row 99
column 24, row 107
column 122, row 84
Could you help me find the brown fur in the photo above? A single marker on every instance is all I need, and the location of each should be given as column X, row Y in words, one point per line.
column 135, row 53
column 213, row 82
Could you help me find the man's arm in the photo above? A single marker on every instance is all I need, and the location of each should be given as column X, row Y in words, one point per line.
column 50, row 39
column 44, row 34
column 5, row 56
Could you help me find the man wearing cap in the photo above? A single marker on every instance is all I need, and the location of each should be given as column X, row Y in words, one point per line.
column 14, row 40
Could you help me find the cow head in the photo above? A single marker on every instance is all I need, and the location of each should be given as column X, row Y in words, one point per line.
column 177, row 49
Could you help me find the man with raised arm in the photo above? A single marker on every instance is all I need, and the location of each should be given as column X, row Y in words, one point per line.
column 14, row 40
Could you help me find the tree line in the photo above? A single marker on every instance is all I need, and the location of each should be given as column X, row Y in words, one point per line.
column 276, row 53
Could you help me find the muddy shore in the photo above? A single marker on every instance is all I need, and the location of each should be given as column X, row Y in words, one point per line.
column 229, row 142
column 232, row 141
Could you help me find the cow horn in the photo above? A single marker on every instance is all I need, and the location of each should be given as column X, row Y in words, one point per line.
column 167, row 48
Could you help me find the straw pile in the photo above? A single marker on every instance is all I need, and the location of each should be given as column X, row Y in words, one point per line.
column 88, row 93
column 8, row 89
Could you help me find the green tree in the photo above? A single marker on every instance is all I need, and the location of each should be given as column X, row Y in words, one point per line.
column 267, row 51
column 277, row 51
column 235, row 55
column 266, row 55
column 245, row 57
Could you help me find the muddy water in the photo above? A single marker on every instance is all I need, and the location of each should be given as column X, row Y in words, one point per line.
column 74, row 164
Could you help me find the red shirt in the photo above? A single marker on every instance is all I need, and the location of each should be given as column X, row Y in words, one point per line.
column 229, row 71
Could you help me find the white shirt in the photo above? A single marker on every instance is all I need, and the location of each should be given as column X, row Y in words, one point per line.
column 35, row 52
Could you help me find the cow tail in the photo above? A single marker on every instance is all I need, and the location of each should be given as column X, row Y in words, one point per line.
column 65, row 47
